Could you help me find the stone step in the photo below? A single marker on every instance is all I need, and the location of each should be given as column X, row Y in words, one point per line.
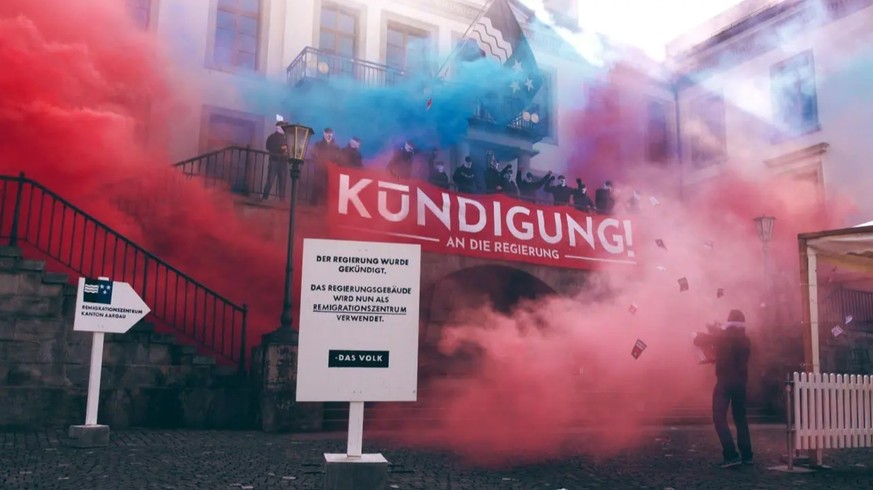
column 226, row 370
column 30, row 265
column 11, row 252
column 203, row 361
column 55, row 278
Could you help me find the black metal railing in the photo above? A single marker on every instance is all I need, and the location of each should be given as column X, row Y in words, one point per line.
column 34, row 217
column 318, row 64
column 246, row 172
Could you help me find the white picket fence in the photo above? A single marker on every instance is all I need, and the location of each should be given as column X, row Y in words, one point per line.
column 832, row 411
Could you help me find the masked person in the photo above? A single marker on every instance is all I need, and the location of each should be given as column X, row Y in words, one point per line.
column 277, row 147
column 493, row 178
column 507, row 185
column 731, row 348
column 528, row 187
column 400, row 166
column 561, row 193
column 351, row 155
column 438, row 175
column 581, row 201
column 465, row 178
column 324, row 152
column 603, row 199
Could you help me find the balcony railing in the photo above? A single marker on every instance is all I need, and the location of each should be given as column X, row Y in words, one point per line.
column 316, row 64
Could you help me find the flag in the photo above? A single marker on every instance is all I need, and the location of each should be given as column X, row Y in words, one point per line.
column 499, row 36
column 97, row 291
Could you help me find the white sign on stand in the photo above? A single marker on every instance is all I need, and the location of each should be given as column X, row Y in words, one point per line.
column 359, row 317
column 104, row 306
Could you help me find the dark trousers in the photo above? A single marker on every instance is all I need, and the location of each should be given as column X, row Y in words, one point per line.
column 735, row 396
column 275, row 174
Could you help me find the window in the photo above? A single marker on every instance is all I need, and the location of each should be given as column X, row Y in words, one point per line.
column 140, row 12
column 795, row 105
column 706, row 128
column 237, row 32
column 542, row 105
column 223, row 131
column 407, row 48
column 657, row 135
column 339, row 31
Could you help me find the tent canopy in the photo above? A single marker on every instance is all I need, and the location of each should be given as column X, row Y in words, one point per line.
column 848, row 248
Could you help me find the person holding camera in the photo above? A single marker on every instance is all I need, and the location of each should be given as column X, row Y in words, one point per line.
column 731, row 349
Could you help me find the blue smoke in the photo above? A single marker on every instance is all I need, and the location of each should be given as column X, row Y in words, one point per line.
column 381, row 116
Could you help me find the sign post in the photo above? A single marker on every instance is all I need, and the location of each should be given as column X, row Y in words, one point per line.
column 359, row 316
column 102, row 306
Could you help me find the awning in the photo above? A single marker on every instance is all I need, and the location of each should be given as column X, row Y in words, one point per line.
column 851, row 248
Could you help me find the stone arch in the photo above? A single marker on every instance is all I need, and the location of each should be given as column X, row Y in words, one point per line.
column 456, row 294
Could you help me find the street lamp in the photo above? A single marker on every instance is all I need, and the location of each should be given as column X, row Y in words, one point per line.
column 764, row 224
column 297, row 140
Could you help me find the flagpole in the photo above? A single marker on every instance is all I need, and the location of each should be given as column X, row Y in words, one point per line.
column 469, row 28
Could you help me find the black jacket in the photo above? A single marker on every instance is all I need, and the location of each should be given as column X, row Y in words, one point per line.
column 493, row 180
column 509, row 187
column 582, row 202
column 561, row 194
column 400, row 165
column 529, row 189
column 276, row 145
column 351, row 157
column 604, row 201
column 439, row 179
column 324, row 152
column 465, row 179
column 732, row 350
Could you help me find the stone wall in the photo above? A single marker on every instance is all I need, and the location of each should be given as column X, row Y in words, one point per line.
column 147, row 381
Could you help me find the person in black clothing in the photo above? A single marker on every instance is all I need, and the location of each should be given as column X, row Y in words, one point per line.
column 438, row 176
column 507, row 185
column 400, row 166
column 323, row 153
column 493, row 179
column 528, row 187
column 732, row 349
column 560, row 193
column 326, row 150
column 277, row 146
column 581, row 201
column 465, row 178
column 603, row 199
column 351, row 154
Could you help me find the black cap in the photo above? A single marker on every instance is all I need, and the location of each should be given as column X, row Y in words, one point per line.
column 328, row 130
column 561, row 177
column 736, row 316
column 468, row 159
column 528, row 174
column 280, row 123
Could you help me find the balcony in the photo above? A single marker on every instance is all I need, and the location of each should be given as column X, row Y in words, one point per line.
column 314, row 65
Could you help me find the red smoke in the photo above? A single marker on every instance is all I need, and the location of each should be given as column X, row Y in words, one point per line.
column 76, row 80
column 79, row 81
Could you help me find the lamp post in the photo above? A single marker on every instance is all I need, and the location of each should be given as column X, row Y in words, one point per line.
column 764, row 225
column 297, row 140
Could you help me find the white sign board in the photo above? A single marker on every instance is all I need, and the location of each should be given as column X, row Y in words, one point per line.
column 358, row 321
column 107, row 306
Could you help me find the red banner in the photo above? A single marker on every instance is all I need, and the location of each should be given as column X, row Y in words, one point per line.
column 366, row 205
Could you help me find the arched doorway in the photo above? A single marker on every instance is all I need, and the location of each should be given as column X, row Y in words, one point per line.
column 457, row 298
column 453, row 298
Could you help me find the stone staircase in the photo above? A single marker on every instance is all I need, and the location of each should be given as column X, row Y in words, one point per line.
column 148, row 378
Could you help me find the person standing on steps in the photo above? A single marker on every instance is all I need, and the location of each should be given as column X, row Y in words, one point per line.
column 732, row 349
column 278, row 164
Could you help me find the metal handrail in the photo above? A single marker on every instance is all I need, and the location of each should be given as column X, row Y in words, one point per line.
column 51, row 225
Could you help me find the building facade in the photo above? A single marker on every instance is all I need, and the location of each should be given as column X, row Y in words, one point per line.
column 232, row 48
column 781, row 89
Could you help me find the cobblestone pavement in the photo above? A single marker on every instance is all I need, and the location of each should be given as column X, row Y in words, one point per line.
column 674, row 458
